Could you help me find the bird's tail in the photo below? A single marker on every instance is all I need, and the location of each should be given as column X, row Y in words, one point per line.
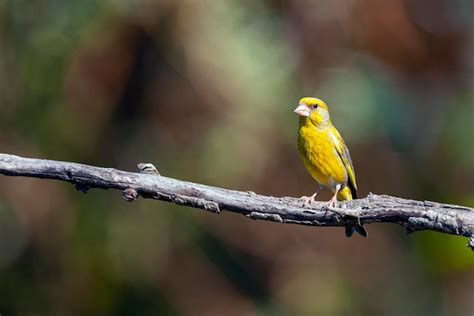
column 346, row 194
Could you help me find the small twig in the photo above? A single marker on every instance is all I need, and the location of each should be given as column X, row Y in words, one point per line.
column 413, row 215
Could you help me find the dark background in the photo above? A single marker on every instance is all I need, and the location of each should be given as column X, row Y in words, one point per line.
column 205, row 90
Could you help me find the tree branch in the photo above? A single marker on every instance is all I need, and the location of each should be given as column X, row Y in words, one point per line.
column 413, row 215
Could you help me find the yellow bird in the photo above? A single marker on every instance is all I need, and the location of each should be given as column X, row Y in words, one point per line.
column 325, row 155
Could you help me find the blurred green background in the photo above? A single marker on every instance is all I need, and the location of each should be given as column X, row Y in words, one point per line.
column 205, row 90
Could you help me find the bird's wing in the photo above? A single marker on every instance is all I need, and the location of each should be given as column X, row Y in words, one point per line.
column 343, row 153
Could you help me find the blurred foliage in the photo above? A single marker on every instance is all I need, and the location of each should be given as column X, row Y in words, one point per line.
column 205, row 90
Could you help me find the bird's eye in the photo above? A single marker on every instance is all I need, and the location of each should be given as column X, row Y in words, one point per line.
column 314, row 106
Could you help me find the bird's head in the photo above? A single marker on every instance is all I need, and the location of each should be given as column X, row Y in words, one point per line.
column 313, row 109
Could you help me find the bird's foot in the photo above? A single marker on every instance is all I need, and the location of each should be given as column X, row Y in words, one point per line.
column 333, row 201
column 307, row 200
column 147, row 168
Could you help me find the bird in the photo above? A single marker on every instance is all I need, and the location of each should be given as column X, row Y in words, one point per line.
column 325, row 156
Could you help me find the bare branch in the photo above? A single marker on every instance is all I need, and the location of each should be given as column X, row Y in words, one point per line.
column 413, row 215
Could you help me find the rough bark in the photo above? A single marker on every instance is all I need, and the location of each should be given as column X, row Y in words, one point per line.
column 413, row 215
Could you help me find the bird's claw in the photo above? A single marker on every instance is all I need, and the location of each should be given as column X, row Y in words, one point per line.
column 332, row 202
column 147, row 168
column 307, row 200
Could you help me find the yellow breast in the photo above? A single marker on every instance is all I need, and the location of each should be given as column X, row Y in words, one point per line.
column 320, row 157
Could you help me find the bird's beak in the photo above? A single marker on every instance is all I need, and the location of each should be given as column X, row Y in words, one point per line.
column 302, row 110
